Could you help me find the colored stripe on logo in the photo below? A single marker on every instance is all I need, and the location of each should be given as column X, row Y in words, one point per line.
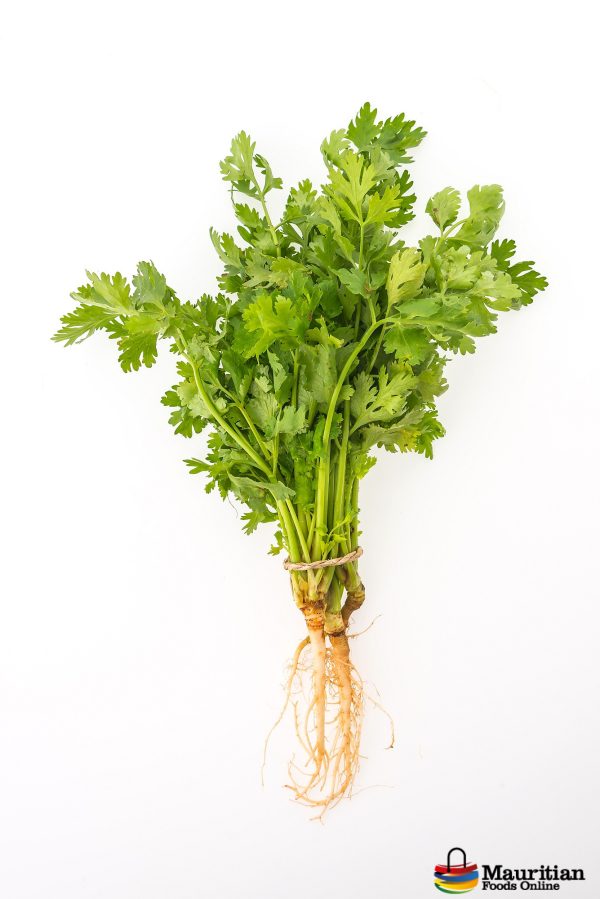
column 456, row 878
column 457, row 888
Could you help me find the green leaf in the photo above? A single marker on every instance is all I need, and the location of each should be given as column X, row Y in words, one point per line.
column 189, row 397
column 334, row 146
column 420, row 308
column 150, row 285
column 415, row 432
column 529, row 282
column 363, row 130
column 237, row 167
column 502, row 251
column 410, row 345
column 269, row 322
column 522, row 274
column 355, row 280
column 241, row 372
column 270, row 181
column 197, row 466
column 383, row 208
column 486, row 208
column 379, row 400
column 443, row 207
column 249, row 488
column 248, row 216
column 405, row 276
column 292, row 421
column 227, row 250
column 137, row 350
column 110, row 292
column 82, row 322
column 263, row 409
column 391, row 138
column 318, row 374
column 350, row 185
column 399, row 134
column 498, row 289
column 365, row 394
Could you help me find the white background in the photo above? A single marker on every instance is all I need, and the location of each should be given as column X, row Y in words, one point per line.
column 143, row 637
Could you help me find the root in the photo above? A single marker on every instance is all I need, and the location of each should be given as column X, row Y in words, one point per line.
column 354, row 600
column 288, row 693
column 343, row 674
column 328, row 699
column 319, row 657
column 364, row 631
column 329, row 731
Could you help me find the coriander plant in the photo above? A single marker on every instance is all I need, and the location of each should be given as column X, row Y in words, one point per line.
column 328, row 337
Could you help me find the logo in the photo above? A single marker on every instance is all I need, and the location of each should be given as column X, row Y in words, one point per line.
column 455, row 879
column 462, row 878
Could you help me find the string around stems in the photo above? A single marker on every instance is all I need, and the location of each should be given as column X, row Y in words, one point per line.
column 324, row 563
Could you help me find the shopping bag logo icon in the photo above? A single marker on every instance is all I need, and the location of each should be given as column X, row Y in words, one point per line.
column 455, row 879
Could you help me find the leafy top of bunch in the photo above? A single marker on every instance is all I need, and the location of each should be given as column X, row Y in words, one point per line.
column 328, row 335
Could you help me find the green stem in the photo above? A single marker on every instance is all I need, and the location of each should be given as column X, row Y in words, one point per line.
column 262, row 445
column 311, row 528
column 270, row 225
column 323, row 471
column 295, row 380
column 371, row 310
column 354, row 526
column 376, row 350
column 352, row 568
column 338, row 505
column 331, row 489
column 298, row 529
column 344, row 374
column 287, row 527
column 321, row 501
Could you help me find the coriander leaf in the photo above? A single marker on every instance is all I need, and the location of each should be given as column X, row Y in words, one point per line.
column 415, row 432
column 443, row 207
column 383, row 208
column 241, row 373
column 355, row 280
column 523, row 275
column 405, row 276
column 334, row 146
column 270, row 182
column 408, row 344
column 268, row 322
column 237, row 167
column 137, row 349
column 502, row 251
column 249, row 488
column 379, row 400
column 82, row 322
column 263, row 408
column 350, row 185
column 150, row 285
column 529, row 282
column 317, row 375
column 363, row 130
column 292, row 421
column 486, row 208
